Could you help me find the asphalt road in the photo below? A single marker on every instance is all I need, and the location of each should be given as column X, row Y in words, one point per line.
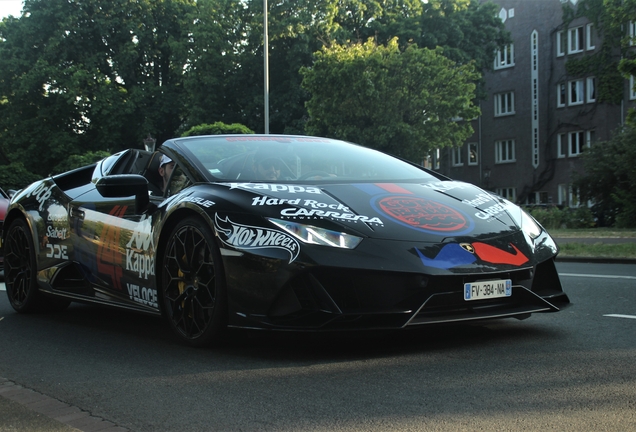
column 574, row 370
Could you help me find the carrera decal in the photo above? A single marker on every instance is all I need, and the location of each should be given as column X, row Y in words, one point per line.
column 494, row 255
column 451, row 255
column 303, row 213
column 291, row 189
column 248, row 237
column 424, row 214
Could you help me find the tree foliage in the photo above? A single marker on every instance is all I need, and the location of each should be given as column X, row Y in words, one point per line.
column 610, row 179
column 401, row 102
column 79, row 76
column 217, row 128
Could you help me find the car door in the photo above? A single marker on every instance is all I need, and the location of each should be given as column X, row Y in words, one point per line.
column 116, row 248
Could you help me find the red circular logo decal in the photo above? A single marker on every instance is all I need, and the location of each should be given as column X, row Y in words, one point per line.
column 423, row 214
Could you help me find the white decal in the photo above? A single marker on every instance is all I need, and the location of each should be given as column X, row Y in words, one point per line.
column 444, row 186
column 143, row 295
column 57, row 213
column 198, row 200
column 140, row 257
column 247, row 237
column 302, row 213
column 292, row 189
column 58, row 233
column 41, row 193
column 259, row 201
column 488, row 212
column 56, row 251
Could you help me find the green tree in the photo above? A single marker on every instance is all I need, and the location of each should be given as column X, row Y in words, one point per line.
column 609, row 180
column 89, row 75
column 401, row 102
column 218, row 128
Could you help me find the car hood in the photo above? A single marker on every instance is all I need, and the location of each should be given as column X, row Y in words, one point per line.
column 424, row 212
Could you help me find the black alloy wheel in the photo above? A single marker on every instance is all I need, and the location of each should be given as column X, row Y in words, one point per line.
column 193, row 290
column 19, row 268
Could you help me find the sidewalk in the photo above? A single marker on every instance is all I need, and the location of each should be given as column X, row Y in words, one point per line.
column 25, row 410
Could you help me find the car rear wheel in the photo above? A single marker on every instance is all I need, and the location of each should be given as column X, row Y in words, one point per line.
column 193, row 290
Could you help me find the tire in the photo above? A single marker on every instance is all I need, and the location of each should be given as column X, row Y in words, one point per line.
column 193, row 292
column 20, row 268
column 20, row 273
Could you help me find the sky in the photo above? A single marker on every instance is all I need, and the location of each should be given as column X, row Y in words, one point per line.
column 10, row 7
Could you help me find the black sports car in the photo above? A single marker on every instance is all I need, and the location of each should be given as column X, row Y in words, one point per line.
column 275, row 232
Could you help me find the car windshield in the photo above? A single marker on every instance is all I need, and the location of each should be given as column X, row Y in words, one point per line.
column 250, row 158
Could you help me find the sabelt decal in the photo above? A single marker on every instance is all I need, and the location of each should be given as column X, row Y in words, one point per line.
column 424, row 214
column 248, row 237
column 290, row 189
column 57, row 233
column 454, row 255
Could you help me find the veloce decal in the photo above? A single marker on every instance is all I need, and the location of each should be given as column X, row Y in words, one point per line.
column 454, row 255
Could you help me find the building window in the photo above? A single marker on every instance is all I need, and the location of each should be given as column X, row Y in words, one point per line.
column 505, row 57
column 560, row 43
column 576, row 92
column 561, row 95
column 457, row 156
column 632, row 32
column 473, row 158
column 505, row 151
column 563, row 194
column 508, row 193
column 504, row 104
column 576, row 143
column 590, row 36
column 575, row 40
column 562, row 146
column 632, row 92
column 574, row 197
column 591, row 89
column 590, row 137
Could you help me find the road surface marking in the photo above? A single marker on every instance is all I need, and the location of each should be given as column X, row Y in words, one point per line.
column 620, row 316
column 598, row 276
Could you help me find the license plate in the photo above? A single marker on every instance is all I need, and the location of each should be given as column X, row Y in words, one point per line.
column 487, row 289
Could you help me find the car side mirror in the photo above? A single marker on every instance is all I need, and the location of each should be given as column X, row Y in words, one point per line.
column 125, row 185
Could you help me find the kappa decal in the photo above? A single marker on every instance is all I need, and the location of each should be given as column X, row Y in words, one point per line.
column 140, row 249
column 423, row 214
column 248, row 237
column 454, row 255
column 291, row 189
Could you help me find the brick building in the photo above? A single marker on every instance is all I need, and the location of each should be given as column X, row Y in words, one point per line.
column 536, row 119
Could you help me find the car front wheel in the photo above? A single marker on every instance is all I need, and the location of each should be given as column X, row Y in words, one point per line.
column 193, row 291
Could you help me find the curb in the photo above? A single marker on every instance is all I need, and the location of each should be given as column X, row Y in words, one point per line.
column 596, row 260
column 46, row 412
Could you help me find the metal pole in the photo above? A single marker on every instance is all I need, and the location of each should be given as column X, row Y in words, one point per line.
column 266, row 65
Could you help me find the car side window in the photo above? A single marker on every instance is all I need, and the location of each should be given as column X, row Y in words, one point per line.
column 178, row 181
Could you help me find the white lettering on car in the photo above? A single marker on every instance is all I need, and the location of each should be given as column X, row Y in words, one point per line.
column 140, row 256
column 248, row 237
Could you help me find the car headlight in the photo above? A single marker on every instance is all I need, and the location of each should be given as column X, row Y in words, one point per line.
column 524, row 220
column 318, row 236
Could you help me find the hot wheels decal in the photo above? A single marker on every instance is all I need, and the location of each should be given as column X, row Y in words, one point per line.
column 248, row 237
column 425, row 215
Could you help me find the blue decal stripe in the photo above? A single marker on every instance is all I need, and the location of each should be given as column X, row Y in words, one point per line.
column 451, row 255
column 370, row 189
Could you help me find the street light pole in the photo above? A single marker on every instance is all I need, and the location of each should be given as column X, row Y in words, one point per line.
column 266, row 65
